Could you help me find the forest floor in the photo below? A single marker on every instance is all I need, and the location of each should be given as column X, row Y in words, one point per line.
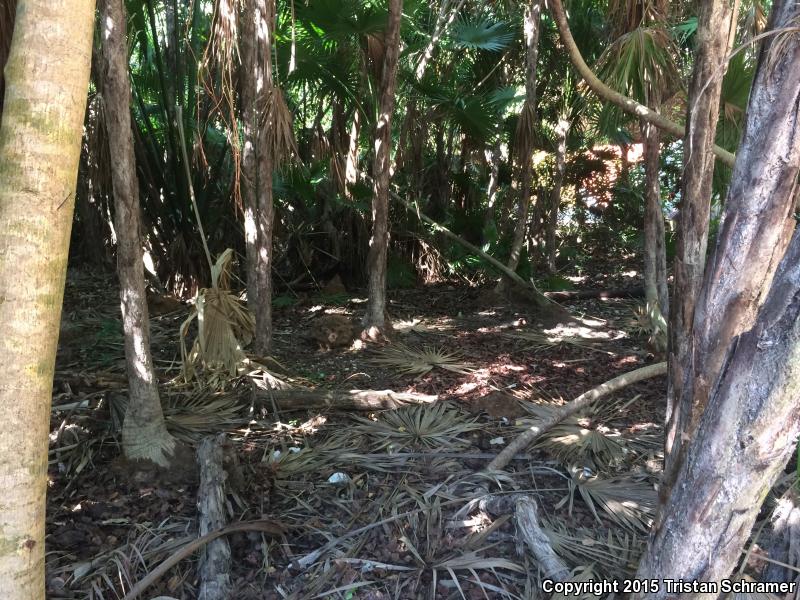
column 366, row 504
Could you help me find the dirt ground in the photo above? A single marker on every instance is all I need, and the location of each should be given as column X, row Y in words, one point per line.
column 384, row 504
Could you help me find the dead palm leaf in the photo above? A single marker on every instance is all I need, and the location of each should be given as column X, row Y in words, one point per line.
column 225, row 326
column 417, row 426
column 629, row 503
column 410, row 361
column 541, row 341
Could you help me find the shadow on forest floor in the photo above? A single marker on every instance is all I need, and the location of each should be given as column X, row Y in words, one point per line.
column 381, row 504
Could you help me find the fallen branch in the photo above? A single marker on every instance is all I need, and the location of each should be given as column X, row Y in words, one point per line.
column 531, row 533
column 352, row 400
column 531, row 435
column 215, row 560
column 606, row 93
column 263, row 526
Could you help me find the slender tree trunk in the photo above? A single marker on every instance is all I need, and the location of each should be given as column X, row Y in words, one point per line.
column 745, row 419
column 655, row 257
column 258, row 99
column 690, row 257
column 375, row 318
column 351, row 165
column 493, row 158
column 524, row 133
column 144, row 434
column 555, row 195
column 47, row 79
column 248, row 44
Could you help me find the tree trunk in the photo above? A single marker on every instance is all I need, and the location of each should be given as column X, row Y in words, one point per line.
column 47, row 79
column 259, row 97
column 744, row 439
column 248, row 43
column 692, row 240
column 524, row 133
column 375, row 318
column 555, row 195
column 739, row 411
column 144, row 434
column 655, row 255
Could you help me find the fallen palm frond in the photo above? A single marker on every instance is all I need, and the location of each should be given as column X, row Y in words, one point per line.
column 434, row 426
column 540, row 341
column 224, row 327
column 615, row 553
column 629, row 503
column 411, row 361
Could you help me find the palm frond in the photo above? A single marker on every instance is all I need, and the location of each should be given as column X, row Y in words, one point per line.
column 434, row 426
column 419, row 362
column 482, row 34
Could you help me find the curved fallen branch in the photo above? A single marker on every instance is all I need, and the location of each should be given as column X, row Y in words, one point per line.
column 531, row 435
column 606, row 93
column 263, row 526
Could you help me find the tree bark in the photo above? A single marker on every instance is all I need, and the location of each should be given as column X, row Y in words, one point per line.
column 248, row 43
column 47, row 79
column 655, row 255
column 144, row 434
column 745, row 437
column 562, row 128
column 258, row 161
column 524, row 134
column 762, row 185
column 375, row 318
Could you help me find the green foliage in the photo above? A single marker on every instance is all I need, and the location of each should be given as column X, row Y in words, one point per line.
column 400, row 273
column 482, row 34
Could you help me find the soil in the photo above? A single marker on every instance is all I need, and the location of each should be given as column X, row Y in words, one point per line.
column 395, row 508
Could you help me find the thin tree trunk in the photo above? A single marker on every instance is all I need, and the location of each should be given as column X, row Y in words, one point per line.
column 655, row 275
column 375, row 318
column 690, row 256
column 524, row 134
column 555, row 195
column 248, row 43
column 144, row 434
column 493, row 158
column 351, row 165
column 47, row 79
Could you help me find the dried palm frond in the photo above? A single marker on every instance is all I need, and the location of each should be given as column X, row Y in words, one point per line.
column 630, row 503
column 542, row 341
column 571, row 442
column 225, row 326
column 616, row 554
column 410, row 361
column 276, row 125
column 417, row 426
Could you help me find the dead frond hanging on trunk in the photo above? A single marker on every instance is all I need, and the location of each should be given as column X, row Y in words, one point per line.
column 224, row 326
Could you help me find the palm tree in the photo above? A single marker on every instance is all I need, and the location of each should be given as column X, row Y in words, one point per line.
column 49, row 59
column 144, row 433
column 375, row 320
